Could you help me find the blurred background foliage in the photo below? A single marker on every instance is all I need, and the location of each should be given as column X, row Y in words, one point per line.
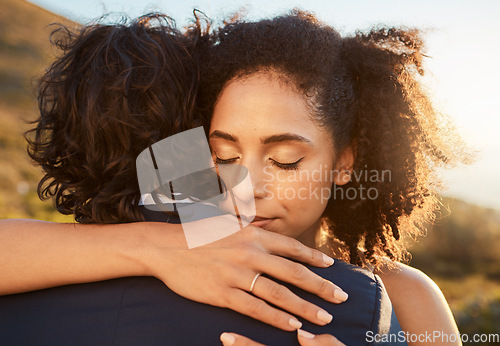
column 461, row 251
column 25, row 51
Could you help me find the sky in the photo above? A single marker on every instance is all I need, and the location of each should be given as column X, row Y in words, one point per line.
column 462, row 74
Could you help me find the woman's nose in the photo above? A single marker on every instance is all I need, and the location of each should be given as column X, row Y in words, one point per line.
column 259, row 183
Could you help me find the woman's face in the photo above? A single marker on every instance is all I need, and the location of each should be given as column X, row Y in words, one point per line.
column 265, row 125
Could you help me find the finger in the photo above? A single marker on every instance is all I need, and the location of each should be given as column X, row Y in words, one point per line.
column 233, row 339
column 256, row 308
column 289, row 247
column 300, row 276
column 282, row 297
column 309, row 339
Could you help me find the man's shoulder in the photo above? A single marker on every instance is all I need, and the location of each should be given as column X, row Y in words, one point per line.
column 368, row 308
column 349, row 277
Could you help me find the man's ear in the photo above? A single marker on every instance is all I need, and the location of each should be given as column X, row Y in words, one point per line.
column 344, row 166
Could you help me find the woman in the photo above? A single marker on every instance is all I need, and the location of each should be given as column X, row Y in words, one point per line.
column 294, row 98
column 363, row 91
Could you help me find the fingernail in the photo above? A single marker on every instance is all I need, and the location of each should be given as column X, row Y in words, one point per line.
column 324, row 316
column 327, row 260
column 227, row 339
column 340, row 295
column 305, row 334
column 296, row 324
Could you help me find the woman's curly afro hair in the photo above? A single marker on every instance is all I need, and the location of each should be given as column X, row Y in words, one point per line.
column 365, row 90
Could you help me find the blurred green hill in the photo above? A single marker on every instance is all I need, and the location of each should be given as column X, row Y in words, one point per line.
column 24, row 53
column 461, row 252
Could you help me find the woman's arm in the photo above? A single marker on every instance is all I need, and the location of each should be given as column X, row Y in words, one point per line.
column 37, row 254
column 420, row 306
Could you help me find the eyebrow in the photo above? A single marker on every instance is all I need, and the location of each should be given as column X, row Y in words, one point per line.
column 223, row 135
column 283, row 137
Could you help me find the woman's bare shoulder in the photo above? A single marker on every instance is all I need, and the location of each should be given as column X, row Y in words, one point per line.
column 418, row 302
column 406, row 279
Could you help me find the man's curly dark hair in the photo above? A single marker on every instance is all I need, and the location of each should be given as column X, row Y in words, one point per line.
column 115, row 90
column 365, row 89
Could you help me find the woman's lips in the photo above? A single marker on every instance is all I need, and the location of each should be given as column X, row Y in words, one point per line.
column 262, row 222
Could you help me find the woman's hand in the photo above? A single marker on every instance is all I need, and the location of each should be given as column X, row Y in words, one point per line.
column 36, row 255
column 221, row 274
column 305, row 339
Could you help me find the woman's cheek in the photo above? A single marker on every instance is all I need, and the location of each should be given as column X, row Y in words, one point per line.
column 318, row 194
column 303, row 201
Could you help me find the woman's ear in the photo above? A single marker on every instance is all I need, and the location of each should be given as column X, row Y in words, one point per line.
column 344, row 166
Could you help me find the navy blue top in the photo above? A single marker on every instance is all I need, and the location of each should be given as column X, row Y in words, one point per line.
column 143, row 311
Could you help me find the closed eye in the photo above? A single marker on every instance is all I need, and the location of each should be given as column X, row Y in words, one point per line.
column 281, row 165
column 218, row 160
column 286, row 166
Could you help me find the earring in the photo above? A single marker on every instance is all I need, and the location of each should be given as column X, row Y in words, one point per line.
column 347, row 176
